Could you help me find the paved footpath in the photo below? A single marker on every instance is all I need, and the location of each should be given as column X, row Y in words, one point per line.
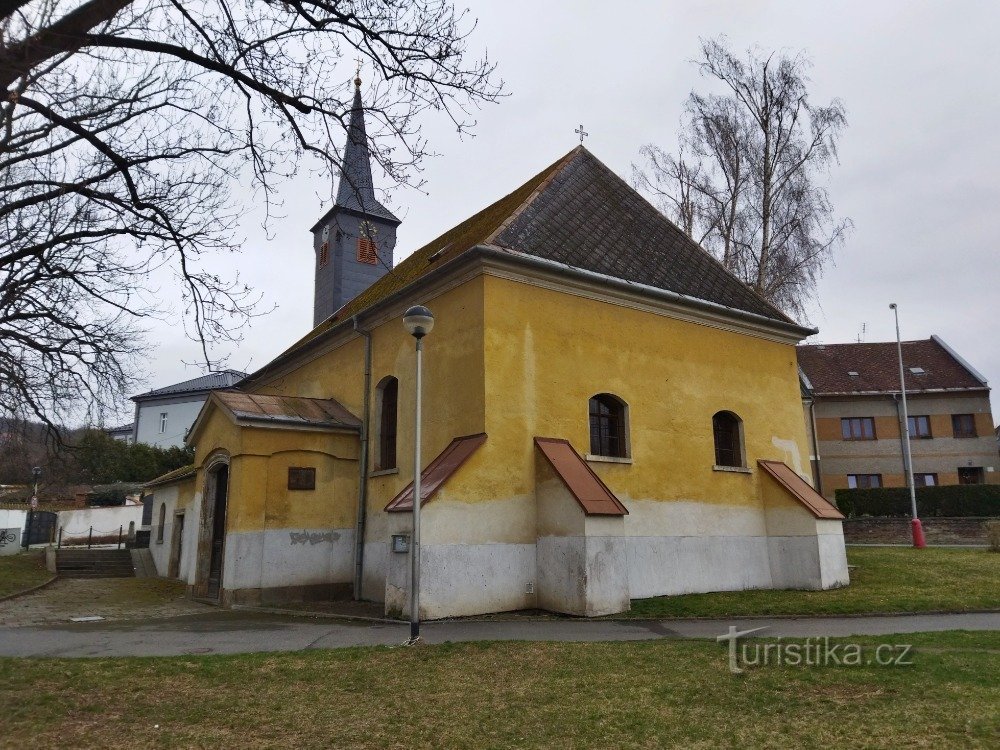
column 231, row 632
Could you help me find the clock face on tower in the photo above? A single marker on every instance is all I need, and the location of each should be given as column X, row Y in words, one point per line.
column 326, row 232
column 368, row 230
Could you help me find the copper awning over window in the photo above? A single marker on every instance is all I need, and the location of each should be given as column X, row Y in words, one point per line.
column 586, row 487
column 437, row 472
column 798, row 488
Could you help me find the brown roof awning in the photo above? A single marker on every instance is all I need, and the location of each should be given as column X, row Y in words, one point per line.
column 437, row 472
column 325, row 413
column 798, row 488
column 586, row 487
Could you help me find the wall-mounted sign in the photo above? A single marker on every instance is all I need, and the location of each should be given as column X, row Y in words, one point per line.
column 401, row 543
column 301, row 478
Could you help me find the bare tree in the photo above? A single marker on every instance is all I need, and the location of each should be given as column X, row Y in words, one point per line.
column 746, row 183
column 125, row 125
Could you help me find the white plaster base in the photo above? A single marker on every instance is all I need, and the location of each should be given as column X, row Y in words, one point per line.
column 284, row 558
column 459, row 580
column 670, row 565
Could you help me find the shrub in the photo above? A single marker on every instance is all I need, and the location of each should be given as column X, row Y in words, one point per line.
column 954, row 500
column 993, row 534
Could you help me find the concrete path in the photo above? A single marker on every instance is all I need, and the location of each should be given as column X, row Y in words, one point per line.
column 230, row 632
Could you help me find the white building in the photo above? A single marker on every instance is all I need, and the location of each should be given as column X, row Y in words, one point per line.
column 164, row 415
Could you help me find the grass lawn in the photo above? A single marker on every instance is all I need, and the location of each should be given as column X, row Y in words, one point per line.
column 19, row 572
column 645, row 694
column 886, row 579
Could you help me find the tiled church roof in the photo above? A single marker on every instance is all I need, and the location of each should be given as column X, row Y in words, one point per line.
column 579, row 213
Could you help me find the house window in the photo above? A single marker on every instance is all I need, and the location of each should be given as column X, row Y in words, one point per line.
column 388, row 396
column 608, row 426
column 963, row 425
column 920, row 427
column 727, row 429
column 857, row 428
column 925, row 480
column 970, row 475
column 864, row 481
column 163, row 422
column 324, row 254
column 163, row 522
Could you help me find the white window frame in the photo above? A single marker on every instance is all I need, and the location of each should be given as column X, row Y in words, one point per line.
column 163, row 422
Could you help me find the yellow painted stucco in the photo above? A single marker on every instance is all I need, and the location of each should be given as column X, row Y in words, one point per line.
column 548, row 352
column 259, row 459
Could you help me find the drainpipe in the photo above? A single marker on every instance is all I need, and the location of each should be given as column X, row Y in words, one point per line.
column 815, row 446
column 359, row 532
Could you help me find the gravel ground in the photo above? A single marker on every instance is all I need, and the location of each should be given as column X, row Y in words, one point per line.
column 110, row 598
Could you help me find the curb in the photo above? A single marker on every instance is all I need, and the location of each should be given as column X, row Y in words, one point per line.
column 622, row 620
column 322, row 615
column 16, row 594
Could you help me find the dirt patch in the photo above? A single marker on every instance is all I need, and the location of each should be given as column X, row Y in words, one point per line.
column 110, row 598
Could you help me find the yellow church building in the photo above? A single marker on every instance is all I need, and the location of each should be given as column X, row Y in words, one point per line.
column 608, row 414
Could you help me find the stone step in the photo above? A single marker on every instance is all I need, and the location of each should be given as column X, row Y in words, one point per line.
column 94, row 563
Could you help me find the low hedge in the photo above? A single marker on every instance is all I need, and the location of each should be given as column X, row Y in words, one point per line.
column 947, row 501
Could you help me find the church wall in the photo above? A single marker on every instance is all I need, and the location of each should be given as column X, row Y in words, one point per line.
column 690, row 528
column 453, row 403
column 549, row 352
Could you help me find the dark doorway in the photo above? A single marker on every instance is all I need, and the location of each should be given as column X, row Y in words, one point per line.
column 176, row 546
column 218, row 531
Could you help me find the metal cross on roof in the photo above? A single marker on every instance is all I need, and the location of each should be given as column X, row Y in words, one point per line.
column 359, row 61
column 583, row 133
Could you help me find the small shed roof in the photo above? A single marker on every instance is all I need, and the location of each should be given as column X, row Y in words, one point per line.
column 590, row 492
column 800, row 489
column 437, row 472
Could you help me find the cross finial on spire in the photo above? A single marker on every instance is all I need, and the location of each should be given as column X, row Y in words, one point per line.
column 583, row 133
column 357, row 71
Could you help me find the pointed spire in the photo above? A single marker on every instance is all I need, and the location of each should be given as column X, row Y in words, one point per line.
column 355, row 190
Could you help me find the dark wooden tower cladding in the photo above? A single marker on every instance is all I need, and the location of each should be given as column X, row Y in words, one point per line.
column 354, row 240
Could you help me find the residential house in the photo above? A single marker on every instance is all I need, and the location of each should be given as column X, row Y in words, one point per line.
column 163, row 416
column 853, row 415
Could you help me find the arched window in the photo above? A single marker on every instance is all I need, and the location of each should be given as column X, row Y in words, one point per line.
column 608, row 426
column 163, row 522
column 388, row 394
column 728, row 431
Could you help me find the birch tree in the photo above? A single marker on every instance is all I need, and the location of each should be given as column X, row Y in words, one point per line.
column 748, row 179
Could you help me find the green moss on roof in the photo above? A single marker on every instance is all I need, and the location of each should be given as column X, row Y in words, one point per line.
column 471, row 232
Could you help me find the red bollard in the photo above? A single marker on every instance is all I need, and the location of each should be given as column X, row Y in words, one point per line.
column 918, row 533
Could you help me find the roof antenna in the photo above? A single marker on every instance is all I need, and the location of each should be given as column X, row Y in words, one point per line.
column 864, row 331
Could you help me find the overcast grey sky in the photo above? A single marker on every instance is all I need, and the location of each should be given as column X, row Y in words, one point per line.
column 919, row 173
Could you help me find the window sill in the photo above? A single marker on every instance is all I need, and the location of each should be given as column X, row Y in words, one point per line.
column 732, row 469
column 609, row 459
column 383, row 473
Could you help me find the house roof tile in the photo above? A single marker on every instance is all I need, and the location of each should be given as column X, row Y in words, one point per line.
column 828, row 367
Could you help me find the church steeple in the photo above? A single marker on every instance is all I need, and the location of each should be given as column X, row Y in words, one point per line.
column 354, row 240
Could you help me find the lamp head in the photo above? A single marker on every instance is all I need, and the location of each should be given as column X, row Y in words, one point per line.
column 418, row 321
column 892, row 305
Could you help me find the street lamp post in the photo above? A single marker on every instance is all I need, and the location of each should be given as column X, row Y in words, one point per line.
column 418, row 321
column 916, row 527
